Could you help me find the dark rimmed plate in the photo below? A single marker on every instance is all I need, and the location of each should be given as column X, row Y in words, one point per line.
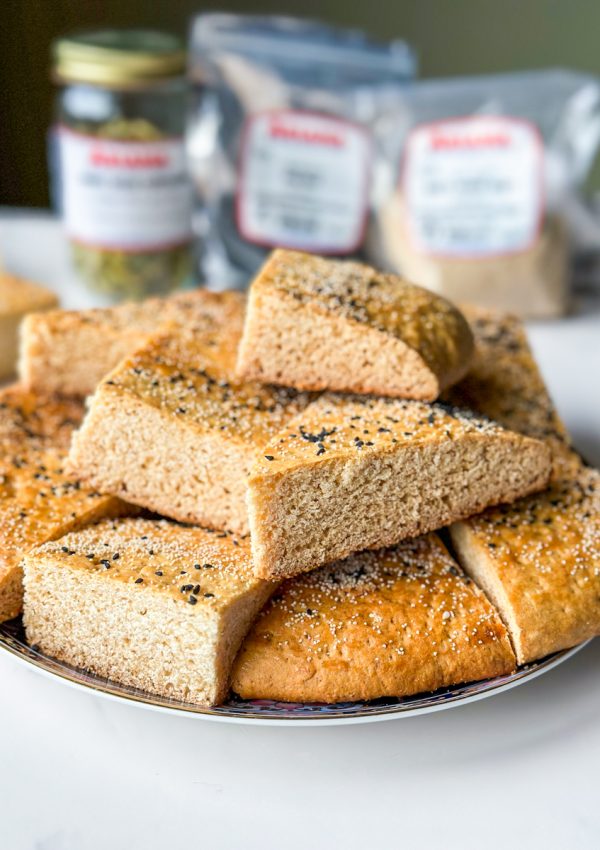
column 12, row 639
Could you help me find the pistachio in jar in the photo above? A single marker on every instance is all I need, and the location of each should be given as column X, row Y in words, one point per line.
column 124, row 190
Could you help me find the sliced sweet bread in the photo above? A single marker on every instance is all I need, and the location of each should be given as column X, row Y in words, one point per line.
column 390, row 623
column 319, row 324
column 505, row 383
column 69, row 352
column 172, row 430
column 352, row 473
column 18, row 297
column 147, row 603
column 38, row 501
column 539, row 562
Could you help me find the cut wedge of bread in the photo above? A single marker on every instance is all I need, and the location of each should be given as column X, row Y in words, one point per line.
column 146, row 603
column 38, row 501
column 537, row 559
column 505, row 383
column 539, row 562
column 390, row 623
column 318, row 324
column 69, row 352
column 352, row 473
column 18, row 297
column 172, row 430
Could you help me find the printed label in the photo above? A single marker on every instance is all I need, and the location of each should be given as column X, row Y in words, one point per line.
column 303, row 182
column 472, row 186
column 124, row 195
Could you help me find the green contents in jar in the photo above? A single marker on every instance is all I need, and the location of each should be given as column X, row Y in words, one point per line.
column 127, row 275
column 132, row 276
column 126, row 197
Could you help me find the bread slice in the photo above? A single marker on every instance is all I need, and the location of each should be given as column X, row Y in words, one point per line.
column 319, row 324
column 171, row 430
column 69, row 352
column 539, row 563
column 505, row 383
column 17, row 298
column 380, row 624
column 37, row 499
column 353, row 473
column 146, row 603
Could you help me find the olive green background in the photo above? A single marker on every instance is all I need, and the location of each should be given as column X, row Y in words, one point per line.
column 450, row 36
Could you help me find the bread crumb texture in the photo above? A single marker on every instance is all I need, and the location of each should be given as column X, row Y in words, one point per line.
column 353, row 473
column 147, row 603
column 173, row 430
column 68, row 352
column 317, row 324
column 38, row 500
column 505, row 383
column 539, row 562
column 388, row 623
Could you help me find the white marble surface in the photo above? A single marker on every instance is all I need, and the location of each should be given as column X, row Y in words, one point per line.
column 518, row 770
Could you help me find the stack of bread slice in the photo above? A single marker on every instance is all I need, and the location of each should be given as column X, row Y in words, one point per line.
column 356, row 489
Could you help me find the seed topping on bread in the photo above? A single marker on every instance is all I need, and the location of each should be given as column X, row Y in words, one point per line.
column 386, row 623
column 532, row 528
column 338, row 423
column 164, row 374
column 505, row 384
column 321, row 324
column 194, row 565
column 363, row 581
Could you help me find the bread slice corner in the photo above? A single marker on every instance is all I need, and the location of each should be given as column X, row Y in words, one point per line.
column 389, row 623
column 317, row 324
column 148, row 604
column 351, row 473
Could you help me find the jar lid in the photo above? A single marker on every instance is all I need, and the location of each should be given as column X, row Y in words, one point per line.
column 118, row 57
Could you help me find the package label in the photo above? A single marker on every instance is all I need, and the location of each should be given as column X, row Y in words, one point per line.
column 303, row 182
column 473, row 186
column 124, row 195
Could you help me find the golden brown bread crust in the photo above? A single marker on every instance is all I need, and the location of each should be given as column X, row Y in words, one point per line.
column 539, row 562
column 69, row 352
column 171, row 429
column 352, row 473
column 147, row 603
column 319, row 324
column 389, row 623
column 38, row 501
column 17, row 298
column 505, row 383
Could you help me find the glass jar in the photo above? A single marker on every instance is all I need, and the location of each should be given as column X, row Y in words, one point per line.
column 118, row 148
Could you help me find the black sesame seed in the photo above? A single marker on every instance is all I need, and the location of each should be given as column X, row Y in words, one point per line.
column 208, row 595
column 192, row 600
column 139, row 580
column 269, row 457
column 158, row 573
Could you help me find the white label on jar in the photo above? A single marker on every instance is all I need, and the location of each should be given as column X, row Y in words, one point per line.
column 131, row 196
column 303, row 182
column 473, row 186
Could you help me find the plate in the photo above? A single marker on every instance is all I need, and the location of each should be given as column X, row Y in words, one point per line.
column 270, row 712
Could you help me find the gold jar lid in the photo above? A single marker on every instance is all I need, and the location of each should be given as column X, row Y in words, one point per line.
column 118, row 57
